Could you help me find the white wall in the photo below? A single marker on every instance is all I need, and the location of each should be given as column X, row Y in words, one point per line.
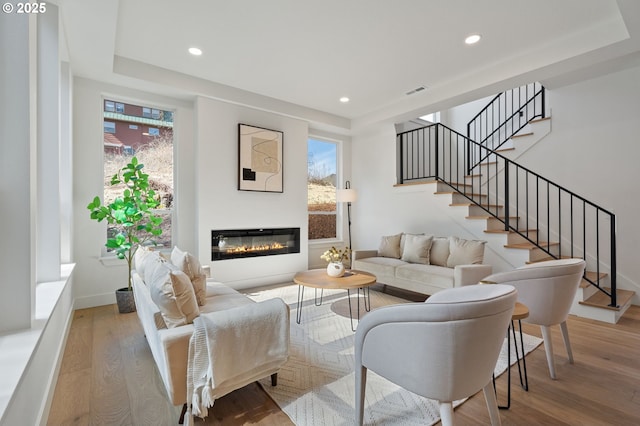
column 220, row 205
column 383, row 209
column 97, row 278
column 592, row 149
column 207, row 196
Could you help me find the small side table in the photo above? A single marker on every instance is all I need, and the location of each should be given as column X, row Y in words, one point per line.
column 520, row 312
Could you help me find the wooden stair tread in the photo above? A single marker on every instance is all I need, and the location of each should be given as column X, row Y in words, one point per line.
column 488, row 163
column 601, row 300
column 531, row 246
column 505, row 149
column 473, row 175
column 461, row 193
column 544, row 259
column 474, row 204
column 521, row 135
column 539, row 119
column 593, row 276
column 502, row 231
column 426, row 182
column 488, row 216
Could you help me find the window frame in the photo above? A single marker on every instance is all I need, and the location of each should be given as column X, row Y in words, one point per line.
column 339, row 213
column 109, row 258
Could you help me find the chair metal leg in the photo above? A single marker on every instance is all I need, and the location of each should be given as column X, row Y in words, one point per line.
column 548, row 348
column 567, row 343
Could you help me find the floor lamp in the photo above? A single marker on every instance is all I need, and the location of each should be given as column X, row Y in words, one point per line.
column 347, row 195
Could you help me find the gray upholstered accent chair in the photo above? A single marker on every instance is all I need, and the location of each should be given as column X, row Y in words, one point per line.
column 444, row 349
column 548, row 290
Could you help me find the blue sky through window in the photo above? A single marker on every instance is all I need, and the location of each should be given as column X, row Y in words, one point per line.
column 322, row 157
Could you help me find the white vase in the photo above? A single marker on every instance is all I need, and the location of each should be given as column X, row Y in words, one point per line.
column 335, row 269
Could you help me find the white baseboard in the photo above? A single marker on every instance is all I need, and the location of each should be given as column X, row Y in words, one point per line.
column 95, row 300
column 260, row 281
column 53, row 379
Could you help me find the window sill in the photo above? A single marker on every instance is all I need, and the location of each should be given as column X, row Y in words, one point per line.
column 111, row 260
column 326, row 243
column 18, row 347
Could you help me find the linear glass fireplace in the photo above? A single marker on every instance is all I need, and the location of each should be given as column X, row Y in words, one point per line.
column 239, row 243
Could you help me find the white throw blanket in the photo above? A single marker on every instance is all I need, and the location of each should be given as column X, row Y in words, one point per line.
column 233, row 345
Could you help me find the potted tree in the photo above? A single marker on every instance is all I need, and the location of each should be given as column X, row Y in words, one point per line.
column 132, row 220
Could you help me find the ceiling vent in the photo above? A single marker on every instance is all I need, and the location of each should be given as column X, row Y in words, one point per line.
column 416, row 90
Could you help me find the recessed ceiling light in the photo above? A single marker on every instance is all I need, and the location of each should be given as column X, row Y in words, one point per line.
column 195, row 51
column 472, row 39
column 344, row 99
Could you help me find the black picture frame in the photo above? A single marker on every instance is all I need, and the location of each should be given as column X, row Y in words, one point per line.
column 260, row 159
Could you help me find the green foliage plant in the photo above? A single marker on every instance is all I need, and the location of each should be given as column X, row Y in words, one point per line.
column 130, row 214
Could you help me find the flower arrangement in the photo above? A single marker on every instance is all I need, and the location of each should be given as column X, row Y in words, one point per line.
column 336, row 255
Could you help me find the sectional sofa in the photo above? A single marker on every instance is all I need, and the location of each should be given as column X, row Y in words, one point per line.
column 173, row 298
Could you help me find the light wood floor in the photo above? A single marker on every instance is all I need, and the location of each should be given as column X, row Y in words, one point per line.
column 108, row 377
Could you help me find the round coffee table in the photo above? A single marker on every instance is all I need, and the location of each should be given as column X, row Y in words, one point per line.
column 319, row 279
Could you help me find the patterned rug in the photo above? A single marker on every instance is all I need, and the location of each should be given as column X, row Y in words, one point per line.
column 317, row 386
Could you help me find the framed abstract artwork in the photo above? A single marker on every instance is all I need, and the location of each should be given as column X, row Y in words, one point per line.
column 259, row 159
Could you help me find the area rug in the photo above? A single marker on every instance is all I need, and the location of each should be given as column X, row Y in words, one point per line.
column 317, row 386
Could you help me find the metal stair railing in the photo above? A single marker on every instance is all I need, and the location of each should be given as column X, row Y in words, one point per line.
column 503, row 117
column 526, row 203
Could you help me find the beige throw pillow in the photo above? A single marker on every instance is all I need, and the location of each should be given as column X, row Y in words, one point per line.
column 139, row 258
column 439, row 252
column 403, row 238
column 416, row 248
column 190, row 265
column 390, row 246
column 465, row 252
column 172, row 292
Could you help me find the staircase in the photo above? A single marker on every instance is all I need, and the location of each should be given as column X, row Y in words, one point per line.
column 542, row 220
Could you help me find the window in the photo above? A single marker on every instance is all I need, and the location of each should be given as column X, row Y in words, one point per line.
column 111, row 106
column 109, row 127
column 321, row 189
column 155, row 114
column 434, row 117
column 146, row 112
column 155, row 153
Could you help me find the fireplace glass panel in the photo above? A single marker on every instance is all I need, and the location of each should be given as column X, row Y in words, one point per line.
column 240, row 243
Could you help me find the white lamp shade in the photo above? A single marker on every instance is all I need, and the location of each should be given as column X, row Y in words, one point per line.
column 346, row 195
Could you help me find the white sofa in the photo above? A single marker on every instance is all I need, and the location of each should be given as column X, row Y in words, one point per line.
column 157, row 291
column 423, row 263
